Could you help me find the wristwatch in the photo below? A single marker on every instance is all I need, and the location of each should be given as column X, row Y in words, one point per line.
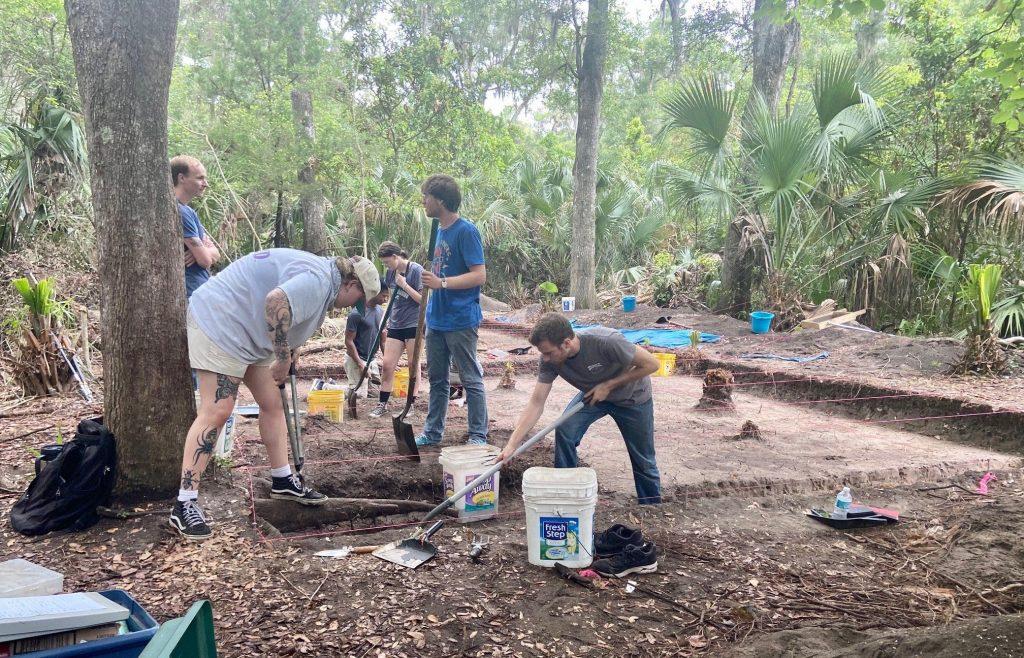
column 444, row 282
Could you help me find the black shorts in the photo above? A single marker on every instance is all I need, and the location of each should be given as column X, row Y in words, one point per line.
column 402, row 334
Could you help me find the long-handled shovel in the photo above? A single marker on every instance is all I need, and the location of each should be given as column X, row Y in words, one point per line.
column 350, row 395
column 292, row 421
column 404, row 435
column 416, row 550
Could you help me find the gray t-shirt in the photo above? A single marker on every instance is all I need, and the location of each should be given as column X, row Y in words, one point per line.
column 604, row 354
column 406, row 313
column 366, row 325
column 230, row 308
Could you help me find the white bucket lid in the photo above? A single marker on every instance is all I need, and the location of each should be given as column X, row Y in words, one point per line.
column 467, row 455
column 540, row 480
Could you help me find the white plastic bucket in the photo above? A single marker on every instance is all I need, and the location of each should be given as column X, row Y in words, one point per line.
column 560, row 506
column 568, row 304
column 461, row 465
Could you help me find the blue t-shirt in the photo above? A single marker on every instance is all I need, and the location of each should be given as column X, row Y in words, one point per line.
column 195, row 274
column 458, row 248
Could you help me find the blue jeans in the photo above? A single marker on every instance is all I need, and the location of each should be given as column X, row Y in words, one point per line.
column 637, row 427
column 442, row 348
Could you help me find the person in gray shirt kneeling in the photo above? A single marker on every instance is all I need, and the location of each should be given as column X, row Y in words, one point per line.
column 614, row 379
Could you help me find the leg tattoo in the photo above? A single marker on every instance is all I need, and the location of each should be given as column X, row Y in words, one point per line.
column 227, row 387
column 188, row 480
column 206, row 442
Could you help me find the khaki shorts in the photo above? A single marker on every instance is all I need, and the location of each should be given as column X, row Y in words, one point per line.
column 203, row 354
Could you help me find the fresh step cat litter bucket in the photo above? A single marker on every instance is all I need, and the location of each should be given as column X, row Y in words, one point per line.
column 560, row 506
column 461, row 465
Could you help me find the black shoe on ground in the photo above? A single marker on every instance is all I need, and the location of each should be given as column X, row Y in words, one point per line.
column 188, row 520
column 291, row 488
column 633, row 559
column 615, row 539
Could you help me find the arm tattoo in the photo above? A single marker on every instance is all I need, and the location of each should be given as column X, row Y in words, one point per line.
column 279, row 321
column 227, row 387
column 207, row 440
column 188, row 480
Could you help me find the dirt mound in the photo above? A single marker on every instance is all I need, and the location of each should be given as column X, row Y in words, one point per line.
column 992, row 636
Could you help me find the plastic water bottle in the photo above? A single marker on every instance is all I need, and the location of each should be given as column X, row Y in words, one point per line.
column 843, row 500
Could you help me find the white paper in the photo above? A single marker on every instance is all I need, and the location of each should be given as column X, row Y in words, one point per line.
column 38, row 606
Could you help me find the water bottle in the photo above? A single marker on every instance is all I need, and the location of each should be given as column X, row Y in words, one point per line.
column 843, row 501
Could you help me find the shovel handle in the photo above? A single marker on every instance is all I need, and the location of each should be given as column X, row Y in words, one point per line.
column 571, row 411
column 431, row 530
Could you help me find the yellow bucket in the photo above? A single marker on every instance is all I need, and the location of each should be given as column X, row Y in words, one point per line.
column 401, row 386
column 666, row 364
column 330, row 404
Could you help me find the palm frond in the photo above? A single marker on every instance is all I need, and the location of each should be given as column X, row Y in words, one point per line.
column 705, row 105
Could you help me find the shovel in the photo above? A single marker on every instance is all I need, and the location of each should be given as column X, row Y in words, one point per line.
column 411, row 552
column 404, row 435
column 350, row 395
column 416, row 550
column 291, row 420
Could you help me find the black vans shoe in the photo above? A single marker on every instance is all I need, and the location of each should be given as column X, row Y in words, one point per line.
column 291, row 488
column 615, row 539
column 633, row 559
column 188, row 520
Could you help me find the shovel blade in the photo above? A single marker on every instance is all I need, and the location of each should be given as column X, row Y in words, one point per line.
column 409, row 553
column 405, row 438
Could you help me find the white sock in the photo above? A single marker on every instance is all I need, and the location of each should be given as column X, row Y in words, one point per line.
column 185, row 495
column 281, row 472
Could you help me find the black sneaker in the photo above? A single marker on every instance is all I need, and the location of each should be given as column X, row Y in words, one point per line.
column 455, row 392
column 615, row 539
column 291, row 488
column 633, row 559
column 188, row 520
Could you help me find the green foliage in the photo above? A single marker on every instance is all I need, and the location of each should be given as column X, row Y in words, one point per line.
column 981, row 289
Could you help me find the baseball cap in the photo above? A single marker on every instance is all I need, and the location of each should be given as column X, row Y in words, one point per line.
column 369, row 278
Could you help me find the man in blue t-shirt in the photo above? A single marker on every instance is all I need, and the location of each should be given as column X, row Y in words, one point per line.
column 189, row 179
column 453, row 313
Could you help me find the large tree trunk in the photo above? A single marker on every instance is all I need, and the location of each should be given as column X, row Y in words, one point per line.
column 738, row 264
column 123, row 55
column 772, row 44
column 675, row 11
column 314, row 231
column 589, row 92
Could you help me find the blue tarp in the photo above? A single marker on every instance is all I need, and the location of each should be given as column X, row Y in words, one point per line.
column 669, row 338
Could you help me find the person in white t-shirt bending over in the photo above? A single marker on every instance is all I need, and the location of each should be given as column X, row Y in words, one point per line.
column 243, row 326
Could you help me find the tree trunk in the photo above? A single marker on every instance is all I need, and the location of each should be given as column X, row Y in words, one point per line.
column 123, row 56
column 737, row 270
column 314, row 231
column 869, row 34
column 675, row 11
column 590, row 89
column 772, row 45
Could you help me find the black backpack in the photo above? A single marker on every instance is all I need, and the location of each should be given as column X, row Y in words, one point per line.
column 69, row 484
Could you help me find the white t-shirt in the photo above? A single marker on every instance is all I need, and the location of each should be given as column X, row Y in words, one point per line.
column 230, row 308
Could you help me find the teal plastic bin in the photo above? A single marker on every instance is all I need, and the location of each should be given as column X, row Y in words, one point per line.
column 190, row 636
column 761, row 321
column 141, row 629
column 629, row 303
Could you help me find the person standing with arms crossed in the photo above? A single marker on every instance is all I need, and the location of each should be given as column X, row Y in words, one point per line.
column 406, row 277
column 188, row 176
column 453, row 312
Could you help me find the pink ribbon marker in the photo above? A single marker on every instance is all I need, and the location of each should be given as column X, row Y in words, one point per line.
column 983, row 483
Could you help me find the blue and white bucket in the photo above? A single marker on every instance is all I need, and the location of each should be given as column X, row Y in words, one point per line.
column 560, row 504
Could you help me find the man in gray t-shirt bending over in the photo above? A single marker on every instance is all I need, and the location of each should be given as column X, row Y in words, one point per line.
column 614, row 378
